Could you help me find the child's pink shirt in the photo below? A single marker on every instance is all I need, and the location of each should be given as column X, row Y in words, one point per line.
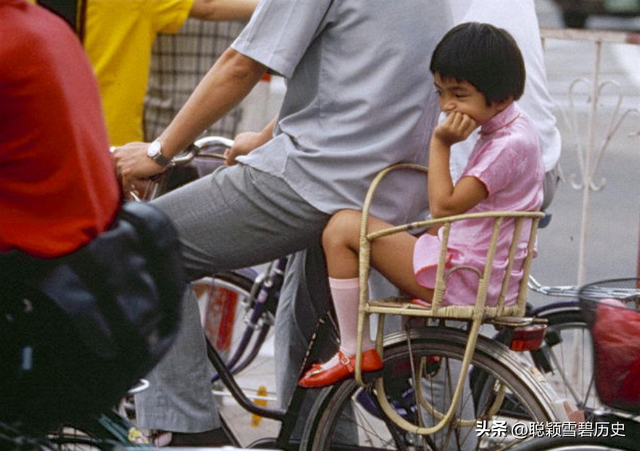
column 508, row 161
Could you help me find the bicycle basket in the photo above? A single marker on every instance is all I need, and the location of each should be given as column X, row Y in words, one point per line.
column 611, row 308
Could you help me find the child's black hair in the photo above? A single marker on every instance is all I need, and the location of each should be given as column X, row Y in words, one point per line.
column 483, row 55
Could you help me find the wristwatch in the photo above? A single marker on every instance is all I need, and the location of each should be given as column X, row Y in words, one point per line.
column 154, row 151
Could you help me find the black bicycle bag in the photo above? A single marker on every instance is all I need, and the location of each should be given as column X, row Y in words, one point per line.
column 76, row 332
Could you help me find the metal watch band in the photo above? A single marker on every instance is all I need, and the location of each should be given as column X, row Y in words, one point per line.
column 162, row 160
column 158, row 157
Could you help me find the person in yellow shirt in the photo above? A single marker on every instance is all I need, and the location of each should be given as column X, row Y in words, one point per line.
column 118, row 37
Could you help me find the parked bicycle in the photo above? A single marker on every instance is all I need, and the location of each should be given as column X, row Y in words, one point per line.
column 615, row 335
column 565, row 357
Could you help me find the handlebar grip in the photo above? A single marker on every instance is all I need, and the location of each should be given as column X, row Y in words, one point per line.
column 213, row 141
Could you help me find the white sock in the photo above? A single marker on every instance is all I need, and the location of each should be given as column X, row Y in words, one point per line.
column 346, row 294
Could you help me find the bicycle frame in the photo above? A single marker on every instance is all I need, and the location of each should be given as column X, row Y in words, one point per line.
column 263, row 298
column 264, row 294
column 287, row 417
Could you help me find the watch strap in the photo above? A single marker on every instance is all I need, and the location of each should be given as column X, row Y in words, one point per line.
column 161, row 159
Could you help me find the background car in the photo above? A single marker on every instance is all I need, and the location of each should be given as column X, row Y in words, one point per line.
column 576, row 12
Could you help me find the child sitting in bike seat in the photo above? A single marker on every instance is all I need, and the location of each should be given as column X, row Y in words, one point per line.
column 479, row 74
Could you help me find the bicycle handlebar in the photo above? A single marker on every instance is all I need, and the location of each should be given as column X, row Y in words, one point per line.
column 572, row 291
column 212, row 141
column 563, row 291
column 199, row 149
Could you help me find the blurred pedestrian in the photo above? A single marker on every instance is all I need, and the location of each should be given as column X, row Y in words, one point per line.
column 178, row 63
column 118, row 38
column 57, row 191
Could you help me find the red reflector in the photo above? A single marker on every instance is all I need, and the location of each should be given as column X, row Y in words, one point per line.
column 528, row 338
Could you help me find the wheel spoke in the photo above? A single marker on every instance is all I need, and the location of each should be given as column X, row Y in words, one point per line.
column 420, row 392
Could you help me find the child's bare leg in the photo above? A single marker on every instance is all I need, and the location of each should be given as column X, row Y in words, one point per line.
column 391, row 255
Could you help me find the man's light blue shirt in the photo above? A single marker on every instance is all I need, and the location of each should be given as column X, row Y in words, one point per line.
column 359, row 98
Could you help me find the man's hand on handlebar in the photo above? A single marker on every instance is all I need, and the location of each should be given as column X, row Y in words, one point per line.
column 243, row 144
column 133, row 164
column 246, row 142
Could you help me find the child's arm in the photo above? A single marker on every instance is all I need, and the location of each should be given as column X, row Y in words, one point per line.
column 445, row 199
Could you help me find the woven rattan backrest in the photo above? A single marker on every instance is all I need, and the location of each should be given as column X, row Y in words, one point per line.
column 479, row 309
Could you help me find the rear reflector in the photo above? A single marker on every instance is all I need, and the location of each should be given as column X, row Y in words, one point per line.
column 528, row 338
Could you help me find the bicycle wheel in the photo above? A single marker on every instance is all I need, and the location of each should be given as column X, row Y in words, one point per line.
column 346, row 416
column 566, row 356
column 228, row 306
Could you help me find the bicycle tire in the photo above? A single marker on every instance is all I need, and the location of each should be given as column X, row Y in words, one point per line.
column 578, row 444
column 567, row 343
column 570, row 338
column 232, row 287
column 335, row 405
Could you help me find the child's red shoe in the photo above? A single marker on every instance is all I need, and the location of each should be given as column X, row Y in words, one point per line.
column 320, row 376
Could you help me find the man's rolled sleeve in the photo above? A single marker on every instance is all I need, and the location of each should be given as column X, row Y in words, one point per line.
column 280, row 31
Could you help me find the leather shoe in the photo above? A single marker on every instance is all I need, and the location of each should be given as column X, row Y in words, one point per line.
column 321, row 376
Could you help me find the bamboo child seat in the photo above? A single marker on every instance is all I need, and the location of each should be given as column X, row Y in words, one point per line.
column 475, row 314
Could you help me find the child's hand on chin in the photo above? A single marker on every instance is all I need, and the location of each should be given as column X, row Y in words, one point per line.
column 457, row 127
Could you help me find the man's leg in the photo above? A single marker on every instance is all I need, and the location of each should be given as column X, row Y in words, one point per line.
column 236, row 217
column 304, row 298
column 187, row 407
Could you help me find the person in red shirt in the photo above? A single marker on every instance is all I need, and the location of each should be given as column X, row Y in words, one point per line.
column 58, row 189
column 58, row 193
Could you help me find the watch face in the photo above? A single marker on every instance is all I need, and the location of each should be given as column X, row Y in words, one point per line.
column 154, row 149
